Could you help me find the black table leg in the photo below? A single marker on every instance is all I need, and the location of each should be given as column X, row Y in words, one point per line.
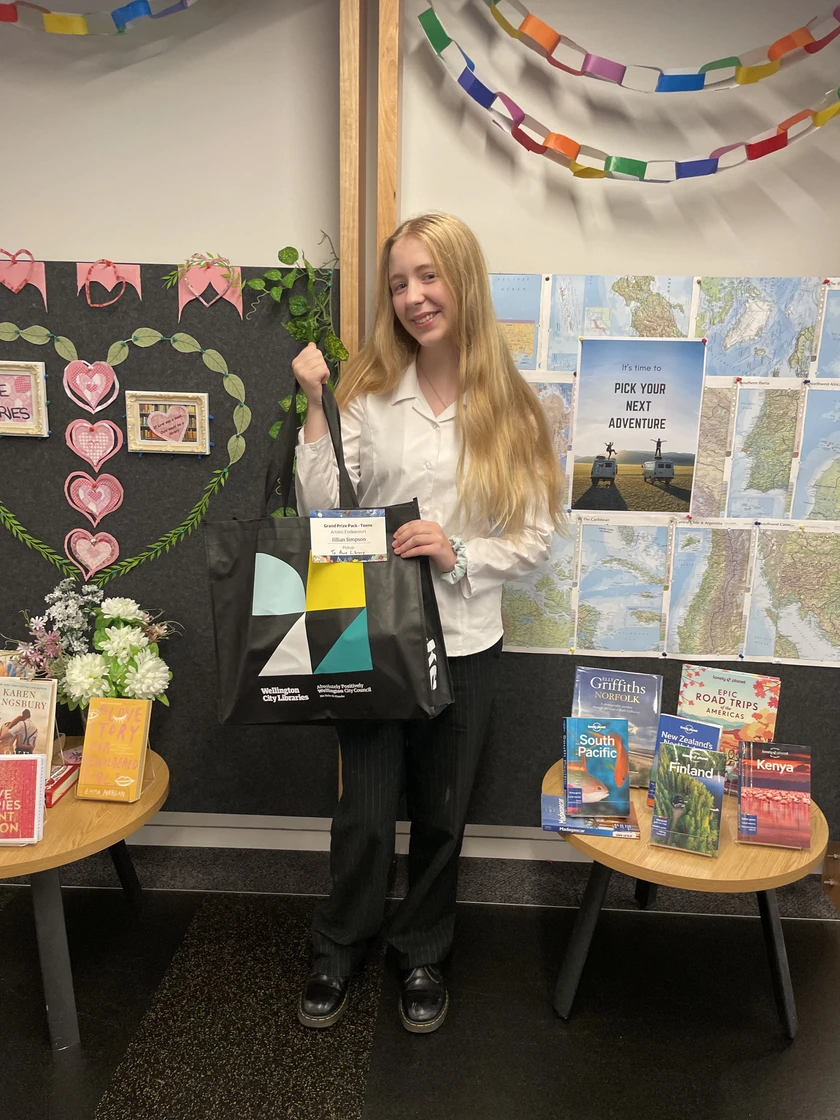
column 125, row 870
column 578, row 947
column 774, row 939
column 645, row 894
column 55, row 959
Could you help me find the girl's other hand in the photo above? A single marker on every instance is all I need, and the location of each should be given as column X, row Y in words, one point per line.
column 425, row 538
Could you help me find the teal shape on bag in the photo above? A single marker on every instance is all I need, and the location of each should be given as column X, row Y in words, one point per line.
column 278, row 589
column 351, row 653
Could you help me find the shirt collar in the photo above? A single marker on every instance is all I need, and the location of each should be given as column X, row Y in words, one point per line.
column 408, row 389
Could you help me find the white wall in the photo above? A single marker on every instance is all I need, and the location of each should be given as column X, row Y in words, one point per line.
column 778, row 216
column 217, row 128
column 212, row 129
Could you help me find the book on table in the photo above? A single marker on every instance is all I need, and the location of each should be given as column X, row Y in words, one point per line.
column 688, row 799
column 22, row 781
column 636, row 697
column 774, row 795
column 743, row 705
column 682, row 732
column 27, row 716
column 61, row 780
column 115, row 750
column 597, row 769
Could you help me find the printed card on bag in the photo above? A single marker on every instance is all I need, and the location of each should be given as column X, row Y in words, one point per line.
column 348, row 536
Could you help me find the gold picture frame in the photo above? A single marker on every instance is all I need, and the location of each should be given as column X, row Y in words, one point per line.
column 23, row 399
column 168, row 423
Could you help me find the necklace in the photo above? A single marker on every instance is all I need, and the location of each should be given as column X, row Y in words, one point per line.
column 443, row 403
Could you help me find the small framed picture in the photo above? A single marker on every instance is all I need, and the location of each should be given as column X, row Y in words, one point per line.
column 175, row 423
column 23, row 399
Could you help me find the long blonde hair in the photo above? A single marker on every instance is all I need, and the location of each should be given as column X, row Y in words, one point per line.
column 508, row 462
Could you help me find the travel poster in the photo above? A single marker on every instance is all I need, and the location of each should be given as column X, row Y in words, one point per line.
column 636, row 424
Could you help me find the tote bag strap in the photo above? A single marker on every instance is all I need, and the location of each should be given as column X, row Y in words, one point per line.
column 280, row 473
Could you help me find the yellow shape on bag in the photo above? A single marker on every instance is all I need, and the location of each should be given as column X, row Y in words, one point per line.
column 114, row 754
column 331, row 587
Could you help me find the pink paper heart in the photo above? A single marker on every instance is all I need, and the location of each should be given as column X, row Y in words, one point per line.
column 90, row 385
column 214, row 269
column 95, row 443
column 95, row 498
column 11, row 269
column 99, row 271
column 169, row 426
column 90, row 553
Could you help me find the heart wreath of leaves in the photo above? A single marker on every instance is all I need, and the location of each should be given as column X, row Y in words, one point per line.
column 119, row 351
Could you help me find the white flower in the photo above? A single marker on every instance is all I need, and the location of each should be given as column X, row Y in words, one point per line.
column 122, row 642
column 148, row 678
column 125, row 609
column 84, row 677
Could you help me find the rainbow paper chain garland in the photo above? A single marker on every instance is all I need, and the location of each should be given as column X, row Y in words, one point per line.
column 591, row 163
column 723, row 73
column 37, row 18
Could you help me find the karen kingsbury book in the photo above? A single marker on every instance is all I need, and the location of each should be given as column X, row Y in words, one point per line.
column 689, row 796
column 682, row 732
column 27, row 716
column 597, row 775
column 636, row 697
column 742, row 704
column 774, row 795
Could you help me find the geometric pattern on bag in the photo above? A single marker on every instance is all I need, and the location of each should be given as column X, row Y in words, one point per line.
column 323, row 624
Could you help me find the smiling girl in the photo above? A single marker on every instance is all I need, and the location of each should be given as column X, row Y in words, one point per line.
column 432, row 408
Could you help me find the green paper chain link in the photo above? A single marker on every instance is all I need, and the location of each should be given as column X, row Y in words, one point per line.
column 119, row 351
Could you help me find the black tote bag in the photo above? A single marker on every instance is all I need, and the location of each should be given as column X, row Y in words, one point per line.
column 298, row 642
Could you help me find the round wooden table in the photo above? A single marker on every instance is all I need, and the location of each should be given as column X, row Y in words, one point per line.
column 738, row 868
column 74, row 829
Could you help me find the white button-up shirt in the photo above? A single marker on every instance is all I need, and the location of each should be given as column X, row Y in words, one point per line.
column 396, row 449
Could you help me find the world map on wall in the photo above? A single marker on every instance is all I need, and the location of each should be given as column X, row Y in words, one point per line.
column 758, row 326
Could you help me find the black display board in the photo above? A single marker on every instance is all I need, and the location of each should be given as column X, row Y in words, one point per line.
column 263, row 770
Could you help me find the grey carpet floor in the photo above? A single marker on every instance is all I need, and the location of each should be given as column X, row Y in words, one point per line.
column 221, row 1040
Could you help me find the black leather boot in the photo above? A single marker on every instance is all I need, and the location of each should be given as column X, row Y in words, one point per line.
column 323, row 1000
column 424, row 1001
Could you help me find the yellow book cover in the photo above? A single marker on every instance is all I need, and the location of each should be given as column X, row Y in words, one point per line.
column 114, row 754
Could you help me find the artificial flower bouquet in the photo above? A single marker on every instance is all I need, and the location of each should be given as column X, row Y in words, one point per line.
column 95, row 646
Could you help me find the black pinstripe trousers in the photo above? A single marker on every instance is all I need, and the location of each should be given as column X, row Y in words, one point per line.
column 435, row 762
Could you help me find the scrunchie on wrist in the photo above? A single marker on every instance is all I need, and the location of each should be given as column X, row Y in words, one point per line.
column 460, row 569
